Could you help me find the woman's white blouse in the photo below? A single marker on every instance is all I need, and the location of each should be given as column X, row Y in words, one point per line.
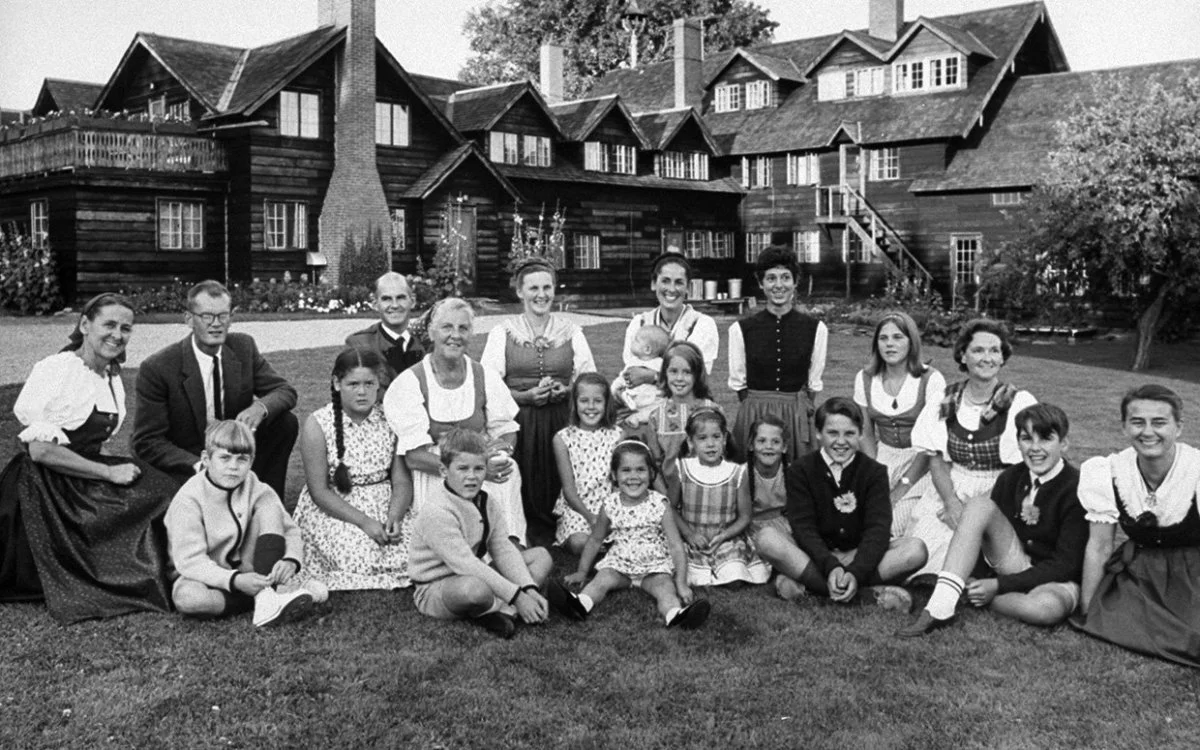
column 881, row 401
column 1173, row 498
column 703, row 334
column 929, row 433
column 60, row 394
column 558, row 331
column 409, row 415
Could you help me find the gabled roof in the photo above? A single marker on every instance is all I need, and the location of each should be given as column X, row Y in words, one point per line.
column 438, row 87
column 660, row 128
column 201, row 68
column 447, row 164
column 482, row 107
column 268, row 69
column 415, row 83
column 960, row 39
column 776, row 68
column 1014, row 150
column 60, row 95
column 579, row 118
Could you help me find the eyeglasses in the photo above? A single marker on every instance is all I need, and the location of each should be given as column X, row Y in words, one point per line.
column 210, row 318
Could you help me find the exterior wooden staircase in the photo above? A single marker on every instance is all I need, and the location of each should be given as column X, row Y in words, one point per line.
column 844, row 204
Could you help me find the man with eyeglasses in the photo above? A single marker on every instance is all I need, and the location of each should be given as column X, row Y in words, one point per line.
column 209, row 376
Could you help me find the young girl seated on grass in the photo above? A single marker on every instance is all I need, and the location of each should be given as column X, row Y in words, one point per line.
column 841, row 515
column 582, row 451
column 456, row 528
column 646, row 550
column 230, row 539
column 769, row 527
column 713, row 500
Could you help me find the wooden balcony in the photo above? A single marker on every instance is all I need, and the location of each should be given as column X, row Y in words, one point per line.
column 835, row 205
column 73, row 143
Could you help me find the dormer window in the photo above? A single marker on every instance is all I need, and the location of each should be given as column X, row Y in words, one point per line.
column 727, row 97
column 929, row 74
column 682, row 165
column 298, row 114
column 609, row 157
column 503, row 148
column 760, row 95
column 535, row 151
column 847, row 84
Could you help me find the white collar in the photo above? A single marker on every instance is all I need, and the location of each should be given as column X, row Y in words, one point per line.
column 202, row 358
column 831, row 463
column 1049, row 476
column 392, row 334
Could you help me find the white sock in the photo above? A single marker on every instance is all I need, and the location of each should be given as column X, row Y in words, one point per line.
column 945, row 595
column 587, row 602
column 672, row 612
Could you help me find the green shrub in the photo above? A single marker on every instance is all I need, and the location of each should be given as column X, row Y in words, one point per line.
column 28, row 275
column 364, row 262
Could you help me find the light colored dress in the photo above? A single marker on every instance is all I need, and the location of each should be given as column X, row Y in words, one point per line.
column 591, row 457
column 768, row 503
column 709, row 500
column 666, row 432
column 639, row 545
column 894, row 418
column 338, row 553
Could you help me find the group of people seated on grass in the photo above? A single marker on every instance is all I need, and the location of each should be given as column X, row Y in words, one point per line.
column 431, row 469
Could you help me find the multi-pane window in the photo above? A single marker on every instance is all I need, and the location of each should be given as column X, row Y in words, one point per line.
column 391, row 124
column 803, row 169
column 682, row 165
column 694, row 244
column 966, row 249
column 727, row 97
column 609, row 157
column 39, row 224
column 756, row 242
column 504, row 148
column 587, row 251
column 285, row 225
column 756, row 171
column 1007, row 198
column 760, row 94
column 180, row 225
column 932, row 73
column 865, row 82
column 884, row 163
column 535, row 150
column 944, row 72
column 722, row 244
column 808, row 246
column 157, row 108
column 298, row 114
column 178, row 111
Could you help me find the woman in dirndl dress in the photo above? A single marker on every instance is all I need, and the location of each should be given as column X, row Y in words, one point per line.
column 777, row 357
column 1145, row 596
column 970, row 436
column 539, row 355
column 892, row 390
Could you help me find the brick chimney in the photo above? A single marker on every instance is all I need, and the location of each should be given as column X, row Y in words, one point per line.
column 354, row 202
column 886, row 18
column 551, row 73
column 689, row 61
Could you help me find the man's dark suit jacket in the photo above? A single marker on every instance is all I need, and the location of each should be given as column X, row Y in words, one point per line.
column 168, row 431
column 400, row 358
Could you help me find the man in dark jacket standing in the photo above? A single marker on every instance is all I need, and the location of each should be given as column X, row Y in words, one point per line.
column 390, row 336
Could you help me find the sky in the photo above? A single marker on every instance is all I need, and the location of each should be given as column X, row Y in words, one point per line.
column 84, row 39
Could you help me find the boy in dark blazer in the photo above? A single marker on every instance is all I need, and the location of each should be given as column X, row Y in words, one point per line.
column 209, row 376
column 841, row 515
column 390, row 336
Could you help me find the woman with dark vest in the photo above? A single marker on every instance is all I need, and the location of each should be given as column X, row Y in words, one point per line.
column 970, row 437
column 892, row 390
column 777, row 357
column 448, row 389
column 539, row 355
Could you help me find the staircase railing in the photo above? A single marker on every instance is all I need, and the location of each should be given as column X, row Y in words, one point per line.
column 874, row 231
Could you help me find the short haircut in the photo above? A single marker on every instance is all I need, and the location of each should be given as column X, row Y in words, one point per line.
column 634, row 448
column 776, row 256
column 230, row 435
column 667, row 259
column 209, row 287
column 450, row 305
column 838, row 405
column 532, row 265
column 657, row 337
column 1152, row 392
column 458, row 441
column 1043, row 420
column 392, row 276
column 981, row 325
column 609, row 417
column 908, row 327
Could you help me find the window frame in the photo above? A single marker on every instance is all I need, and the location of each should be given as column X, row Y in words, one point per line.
column 883, row 164
column 298, row 120
column 293, row 230
column 681, row 165
column 585, row 251
column 1006, row 198
column 727, row 97
column 803, row 168
column 189, row 234
column 756, row 171
column 807, row 245
column 959, row 252
column 535, row 150
column 615, row 158
column 929, row 73
column 390, row 108
column 39, row 223
column 759, row 94
column 756, row 242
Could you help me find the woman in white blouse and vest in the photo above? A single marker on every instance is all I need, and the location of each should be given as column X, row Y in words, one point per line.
column 669, row 280
column 892, row 390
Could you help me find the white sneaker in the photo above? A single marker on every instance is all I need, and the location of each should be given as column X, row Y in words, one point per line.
column 319, row 591
column 273, row 608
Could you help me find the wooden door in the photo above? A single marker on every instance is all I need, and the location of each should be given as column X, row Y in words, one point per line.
column 459, row 240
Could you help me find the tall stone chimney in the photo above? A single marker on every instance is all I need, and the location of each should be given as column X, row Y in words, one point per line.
column 550, row 74
column 689, row 61
column 354, row 202
column 886, row 18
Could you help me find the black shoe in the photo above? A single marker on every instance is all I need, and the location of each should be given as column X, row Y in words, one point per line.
column 923, row 581
column 692, row 616
column 924, row 624
column 564, row 602
column 497, row 623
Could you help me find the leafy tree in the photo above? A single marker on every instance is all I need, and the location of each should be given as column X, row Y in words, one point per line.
column 1118, row 219
column 506, row 34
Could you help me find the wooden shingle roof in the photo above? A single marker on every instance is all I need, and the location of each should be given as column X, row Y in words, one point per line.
column 1014, row 150
column 267, row 69
column 202, row 68
column 776, row 68
column 660, row 128
column 447, row 164
column 480, row 108
column 579, row 118
column 66, row 96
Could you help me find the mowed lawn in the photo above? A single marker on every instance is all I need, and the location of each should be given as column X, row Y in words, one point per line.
column 368, row 671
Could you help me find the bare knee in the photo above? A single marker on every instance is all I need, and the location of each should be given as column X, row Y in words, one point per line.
column 912, row 552
column 575, row 543
column 539, row 562
column 197, row 600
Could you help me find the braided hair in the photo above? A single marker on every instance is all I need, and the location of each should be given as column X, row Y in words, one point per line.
column 766, row 420
column 348, row 359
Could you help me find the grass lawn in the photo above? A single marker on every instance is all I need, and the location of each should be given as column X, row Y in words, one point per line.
column 367, row 670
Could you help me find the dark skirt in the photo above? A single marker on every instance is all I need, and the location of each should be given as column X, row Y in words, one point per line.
column 88, row 547
column 1149, row 601
column 540, row 484
column 795, row 409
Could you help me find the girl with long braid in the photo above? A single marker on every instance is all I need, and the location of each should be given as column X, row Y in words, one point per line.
column 354, row 510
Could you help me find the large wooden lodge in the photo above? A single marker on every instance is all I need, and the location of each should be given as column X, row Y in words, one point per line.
column 904, row 147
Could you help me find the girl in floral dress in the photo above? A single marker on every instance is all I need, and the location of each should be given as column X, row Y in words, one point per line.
column 354, row 510
column 714, row 506
column 582, row 451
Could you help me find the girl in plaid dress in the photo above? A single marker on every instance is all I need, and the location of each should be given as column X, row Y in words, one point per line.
column 713, row 499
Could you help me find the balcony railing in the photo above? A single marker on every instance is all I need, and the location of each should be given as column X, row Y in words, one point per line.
column 85, row 143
